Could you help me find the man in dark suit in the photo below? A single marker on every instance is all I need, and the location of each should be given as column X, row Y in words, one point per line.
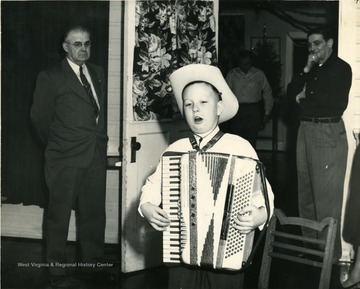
column 68, row 115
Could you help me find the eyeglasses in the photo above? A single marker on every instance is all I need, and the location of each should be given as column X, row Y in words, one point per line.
column 79, row 44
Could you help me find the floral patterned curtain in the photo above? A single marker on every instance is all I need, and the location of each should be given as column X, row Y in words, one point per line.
column 169, row 34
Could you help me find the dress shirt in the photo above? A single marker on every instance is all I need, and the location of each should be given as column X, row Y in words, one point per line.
column 202, row 140
column 327, row 88
column 228, row 143
column 76, row 69
column 251, row 87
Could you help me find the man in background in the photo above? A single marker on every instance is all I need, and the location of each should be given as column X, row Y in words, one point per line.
column 322, row 92
column 253, row 91
column 68, row 116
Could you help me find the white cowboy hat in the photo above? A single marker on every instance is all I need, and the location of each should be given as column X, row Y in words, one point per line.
column 211, row 74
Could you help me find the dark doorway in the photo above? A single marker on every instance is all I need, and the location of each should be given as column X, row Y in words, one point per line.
column 31, row 41
column 300, row 55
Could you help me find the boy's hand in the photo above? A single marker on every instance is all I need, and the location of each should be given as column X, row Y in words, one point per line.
column 249, row 218
column 155, row 216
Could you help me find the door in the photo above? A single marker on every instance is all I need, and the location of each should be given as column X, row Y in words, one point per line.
column 143, row 143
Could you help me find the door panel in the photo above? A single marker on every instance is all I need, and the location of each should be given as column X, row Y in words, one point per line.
column 141, row 244
column 143, row 144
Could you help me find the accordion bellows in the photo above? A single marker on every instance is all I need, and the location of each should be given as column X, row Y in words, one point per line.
column 202, row 192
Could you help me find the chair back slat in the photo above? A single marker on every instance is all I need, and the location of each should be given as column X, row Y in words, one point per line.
column 284, row 242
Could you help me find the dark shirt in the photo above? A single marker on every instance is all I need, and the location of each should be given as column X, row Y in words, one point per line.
column 327, row 88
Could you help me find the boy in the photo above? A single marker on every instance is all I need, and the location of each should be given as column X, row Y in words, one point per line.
column 205, row 100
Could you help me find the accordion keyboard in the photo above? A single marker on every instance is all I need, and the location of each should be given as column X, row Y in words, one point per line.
column 171, row 197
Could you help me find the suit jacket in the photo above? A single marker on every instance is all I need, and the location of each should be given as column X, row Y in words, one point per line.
column 64, row 117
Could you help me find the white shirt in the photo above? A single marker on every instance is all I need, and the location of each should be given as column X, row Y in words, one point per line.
column 251, row 87
column 76, row 69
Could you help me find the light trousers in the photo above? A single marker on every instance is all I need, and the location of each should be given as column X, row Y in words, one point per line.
column 321, row 165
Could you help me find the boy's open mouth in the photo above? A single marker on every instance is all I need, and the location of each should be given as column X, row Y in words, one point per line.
column 198, row 119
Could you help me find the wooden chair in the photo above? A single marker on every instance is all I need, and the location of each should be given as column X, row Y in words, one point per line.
column 289, row 245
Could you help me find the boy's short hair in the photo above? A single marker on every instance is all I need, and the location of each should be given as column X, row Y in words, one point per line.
column 204, row 73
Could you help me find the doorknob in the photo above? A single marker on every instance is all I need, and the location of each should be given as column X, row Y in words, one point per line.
column 135, row 146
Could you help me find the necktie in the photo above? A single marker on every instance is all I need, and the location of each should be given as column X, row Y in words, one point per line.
column 208, row 145
column 88, row 90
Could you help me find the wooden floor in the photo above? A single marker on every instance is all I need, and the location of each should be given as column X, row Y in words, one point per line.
column 19, row 256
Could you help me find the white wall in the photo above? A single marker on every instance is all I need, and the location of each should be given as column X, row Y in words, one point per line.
column 349, row 33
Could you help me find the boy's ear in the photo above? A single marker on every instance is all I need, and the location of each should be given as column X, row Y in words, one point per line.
column 219, row 107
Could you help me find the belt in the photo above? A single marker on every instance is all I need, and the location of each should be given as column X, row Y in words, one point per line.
column 321, row 119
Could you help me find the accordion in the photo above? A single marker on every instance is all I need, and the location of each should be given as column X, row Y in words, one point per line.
column 202, row 192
